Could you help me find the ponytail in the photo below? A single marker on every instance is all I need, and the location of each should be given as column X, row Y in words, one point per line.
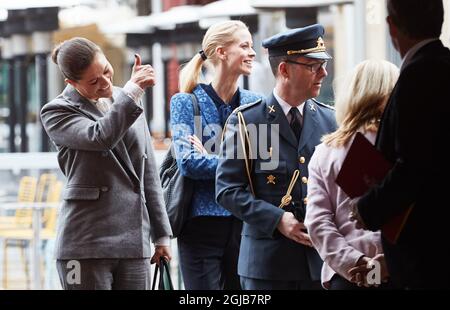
column 190, row 74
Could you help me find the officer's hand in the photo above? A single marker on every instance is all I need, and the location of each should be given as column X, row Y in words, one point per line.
column 161, row 251
column 142, row 75
column 290, row 227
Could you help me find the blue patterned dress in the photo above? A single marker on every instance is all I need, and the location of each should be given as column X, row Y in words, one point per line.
column 202, row 168
column 209, row 242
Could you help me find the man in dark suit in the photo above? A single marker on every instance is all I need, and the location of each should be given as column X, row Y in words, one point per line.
column 262, row 179
column 412, row 133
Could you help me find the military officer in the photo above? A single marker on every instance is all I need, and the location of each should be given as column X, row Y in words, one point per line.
column 262, row 175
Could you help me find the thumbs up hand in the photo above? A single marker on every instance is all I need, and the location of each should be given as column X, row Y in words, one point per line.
column 137, row 60
column 142, row 75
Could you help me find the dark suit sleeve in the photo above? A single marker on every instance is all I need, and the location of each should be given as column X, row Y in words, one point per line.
column 68, row 127
column 407, row 126
column 232, row 186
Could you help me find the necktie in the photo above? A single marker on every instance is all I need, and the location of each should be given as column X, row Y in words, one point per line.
column 296, row 122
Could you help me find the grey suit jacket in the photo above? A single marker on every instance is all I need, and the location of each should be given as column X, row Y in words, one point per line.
column 113, row 202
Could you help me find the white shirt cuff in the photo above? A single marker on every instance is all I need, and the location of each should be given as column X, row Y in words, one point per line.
column 133, row 91
column 163, row 241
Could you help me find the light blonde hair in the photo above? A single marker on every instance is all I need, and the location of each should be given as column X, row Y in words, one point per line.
column 220, row 34
column 362, row 99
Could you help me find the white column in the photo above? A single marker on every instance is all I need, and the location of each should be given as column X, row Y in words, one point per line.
column 156, row 6
column 20, row 44
column 41, row 47
column 56, row 80
column 346, row 42
column 445, row 37
column 359, row 19
column 159, row 101
column 7, row 48
column 376, row 29
column 42, row 42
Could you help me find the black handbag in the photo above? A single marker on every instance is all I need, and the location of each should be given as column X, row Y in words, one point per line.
column 177, row 189
column 165, row 281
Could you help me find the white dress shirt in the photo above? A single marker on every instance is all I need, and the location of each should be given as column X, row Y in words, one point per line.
column 286, row 107
column 131, row 89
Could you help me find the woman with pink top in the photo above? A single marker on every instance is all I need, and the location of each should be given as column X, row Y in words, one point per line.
column 344, row 248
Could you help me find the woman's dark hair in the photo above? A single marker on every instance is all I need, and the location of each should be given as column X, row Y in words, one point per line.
column 74, row 56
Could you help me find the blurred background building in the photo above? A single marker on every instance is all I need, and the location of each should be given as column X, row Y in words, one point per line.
column 166, row 33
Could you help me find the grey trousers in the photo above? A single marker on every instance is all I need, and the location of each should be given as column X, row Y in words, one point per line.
column 104, row 274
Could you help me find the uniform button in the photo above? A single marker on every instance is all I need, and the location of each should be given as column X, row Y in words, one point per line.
column 104, row 188
column 305, row 200
column 305, row 180
column 105, row 153
column 302, row 160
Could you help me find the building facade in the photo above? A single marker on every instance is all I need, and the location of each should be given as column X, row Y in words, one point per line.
column 167, row 33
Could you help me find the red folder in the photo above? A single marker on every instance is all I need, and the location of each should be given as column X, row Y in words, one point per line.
column 363, row 167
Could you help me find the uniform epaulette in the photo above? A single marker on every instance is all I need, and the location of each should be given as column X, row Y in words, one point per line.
column 246, row 106
column 324, row 105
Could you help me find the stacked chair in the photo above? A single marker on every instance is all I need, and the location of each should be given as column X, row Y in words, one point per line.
column 17, row 230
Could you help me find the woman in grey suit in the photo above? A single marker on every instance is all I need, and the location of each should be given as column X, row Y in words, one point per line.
column 112, row 202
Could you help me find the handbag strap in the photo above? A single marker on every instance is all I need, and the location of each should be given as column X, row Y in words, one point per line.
column 163, row 270
column 161, row 277
column 197, row 118
column 155, row 275
column 165, row 264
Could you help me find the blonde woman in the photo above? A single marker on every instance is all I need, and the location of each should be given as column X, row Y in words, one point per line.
column 209, row 242
column 358, row 109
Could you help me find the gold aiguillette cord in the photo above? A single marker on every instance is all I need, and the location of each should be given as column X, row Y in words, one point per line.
column 288, row 198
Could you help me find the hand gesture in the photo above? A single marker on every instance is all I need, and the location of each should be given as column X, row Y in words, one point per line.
column 161, row 251
column 142, row 75
column 359, row 273
column 290, row 227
